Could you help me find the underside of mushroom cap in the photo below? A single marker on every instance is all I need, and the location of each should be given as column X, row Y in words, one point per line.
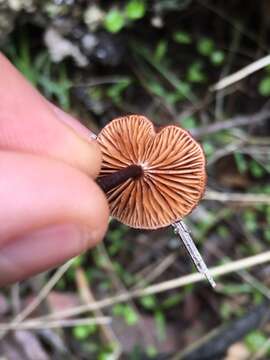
column 173, row 178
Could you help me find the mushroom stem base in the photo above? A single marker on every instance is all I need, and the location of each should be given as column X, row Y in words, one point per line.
column 184, row 233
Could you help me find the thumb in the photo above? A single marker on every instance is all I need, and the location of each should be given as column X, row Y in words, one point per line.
column 52, row 212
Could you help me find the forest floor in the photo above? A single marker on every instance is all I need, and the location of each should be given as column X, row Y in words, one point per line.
column 165, row 60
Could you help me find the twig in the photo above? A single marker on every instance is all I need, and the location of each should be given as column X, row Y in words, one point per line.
column 237, row 197
column 215, row 344
column 164, row 286
column 156, row 269
column 255, row 283
column 33, row 324
column 240, row 120
column 108, row 335
column 242, row 73
column 226, row 150
column 40, row 297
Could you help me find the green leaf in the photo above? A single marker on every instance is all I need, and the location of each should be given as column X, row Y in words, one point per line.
column 264, row 86
column 161, row 325
column 208, row 148
column 151, row 351
column 126, row 312
column 148, row 302
column 77, row 261
column 172, row 300
column 135, row 9
column 195, row 73
column 225, row 310
column 205, row 46
column 82, row 332
column 130, row 316
column 115, row 91
column 223, row 231
column 267, row 234
column 250, row 220
column 235, row 289
column 156, row 88
column 217, row 57
column 189, row 122
column 118, row 309
column 161, row 50
column 114, row 21
column 255, row 340
column 182, row 37
column 256, row 169
column 241, row 163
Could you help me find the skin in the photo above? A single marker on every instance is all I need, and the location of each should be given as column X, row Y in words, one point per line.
column 51, row 208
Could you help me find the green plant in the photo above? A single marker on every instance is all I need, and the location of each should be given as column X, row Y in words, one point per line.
column 149, row 302
column 264, row 86
column 189, row 122
column 255, row 340
column 217, row 57
column 208, row 148
column 41, row 72
column 135, row 9
column 151, row 351
column 117, row 18
column 114, row 20
column 160, row 321
column 241, row 163
column 195, row 73
column 256, row 169
column 83, row 332
column 127, row 312
column 116, row 91
column 250, row 220
column 207, row 48
column 161, row 50
column 182, row 37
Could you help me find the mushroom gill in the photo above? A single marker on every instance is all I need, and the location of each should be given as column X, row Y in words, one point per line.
column 171, row 177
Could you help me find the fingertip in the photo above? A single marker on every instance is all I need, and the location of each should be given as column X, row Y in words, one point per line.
column 37, row 191
column 57, row 213
column 28, row 123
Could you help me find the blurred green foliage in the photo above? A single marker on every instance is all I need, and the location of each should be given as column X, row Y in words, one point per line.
column 127, row 313
column 117, row 18
column 255, row 340
column 41, row 72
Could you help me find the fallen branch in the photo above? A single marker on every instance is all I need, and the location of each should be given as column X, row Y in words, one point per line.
column 216, row 344
column 40, row 297
column 36, row 325
column 237, row 197
column 240, row 120
column 217, row 271
column 242, row 73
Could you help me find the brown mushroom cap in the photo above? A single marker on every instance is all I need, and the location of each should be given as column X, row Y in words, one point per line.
column 173, row 179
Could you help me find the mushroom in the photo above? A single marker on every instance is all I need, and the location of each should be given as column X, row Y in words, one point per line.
column 152, row 178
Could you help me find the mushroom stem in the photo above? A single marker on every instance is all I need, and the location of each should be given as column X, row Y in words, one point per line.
column 184, row 233
column 108, row 182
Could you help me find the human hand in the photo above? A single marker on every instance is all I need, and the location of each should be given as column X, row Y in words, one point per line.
column 50, row 206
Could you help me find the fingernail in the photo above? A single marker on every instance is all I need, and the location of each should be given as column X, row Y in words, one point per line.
column 42, row 250
column 74, row 124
